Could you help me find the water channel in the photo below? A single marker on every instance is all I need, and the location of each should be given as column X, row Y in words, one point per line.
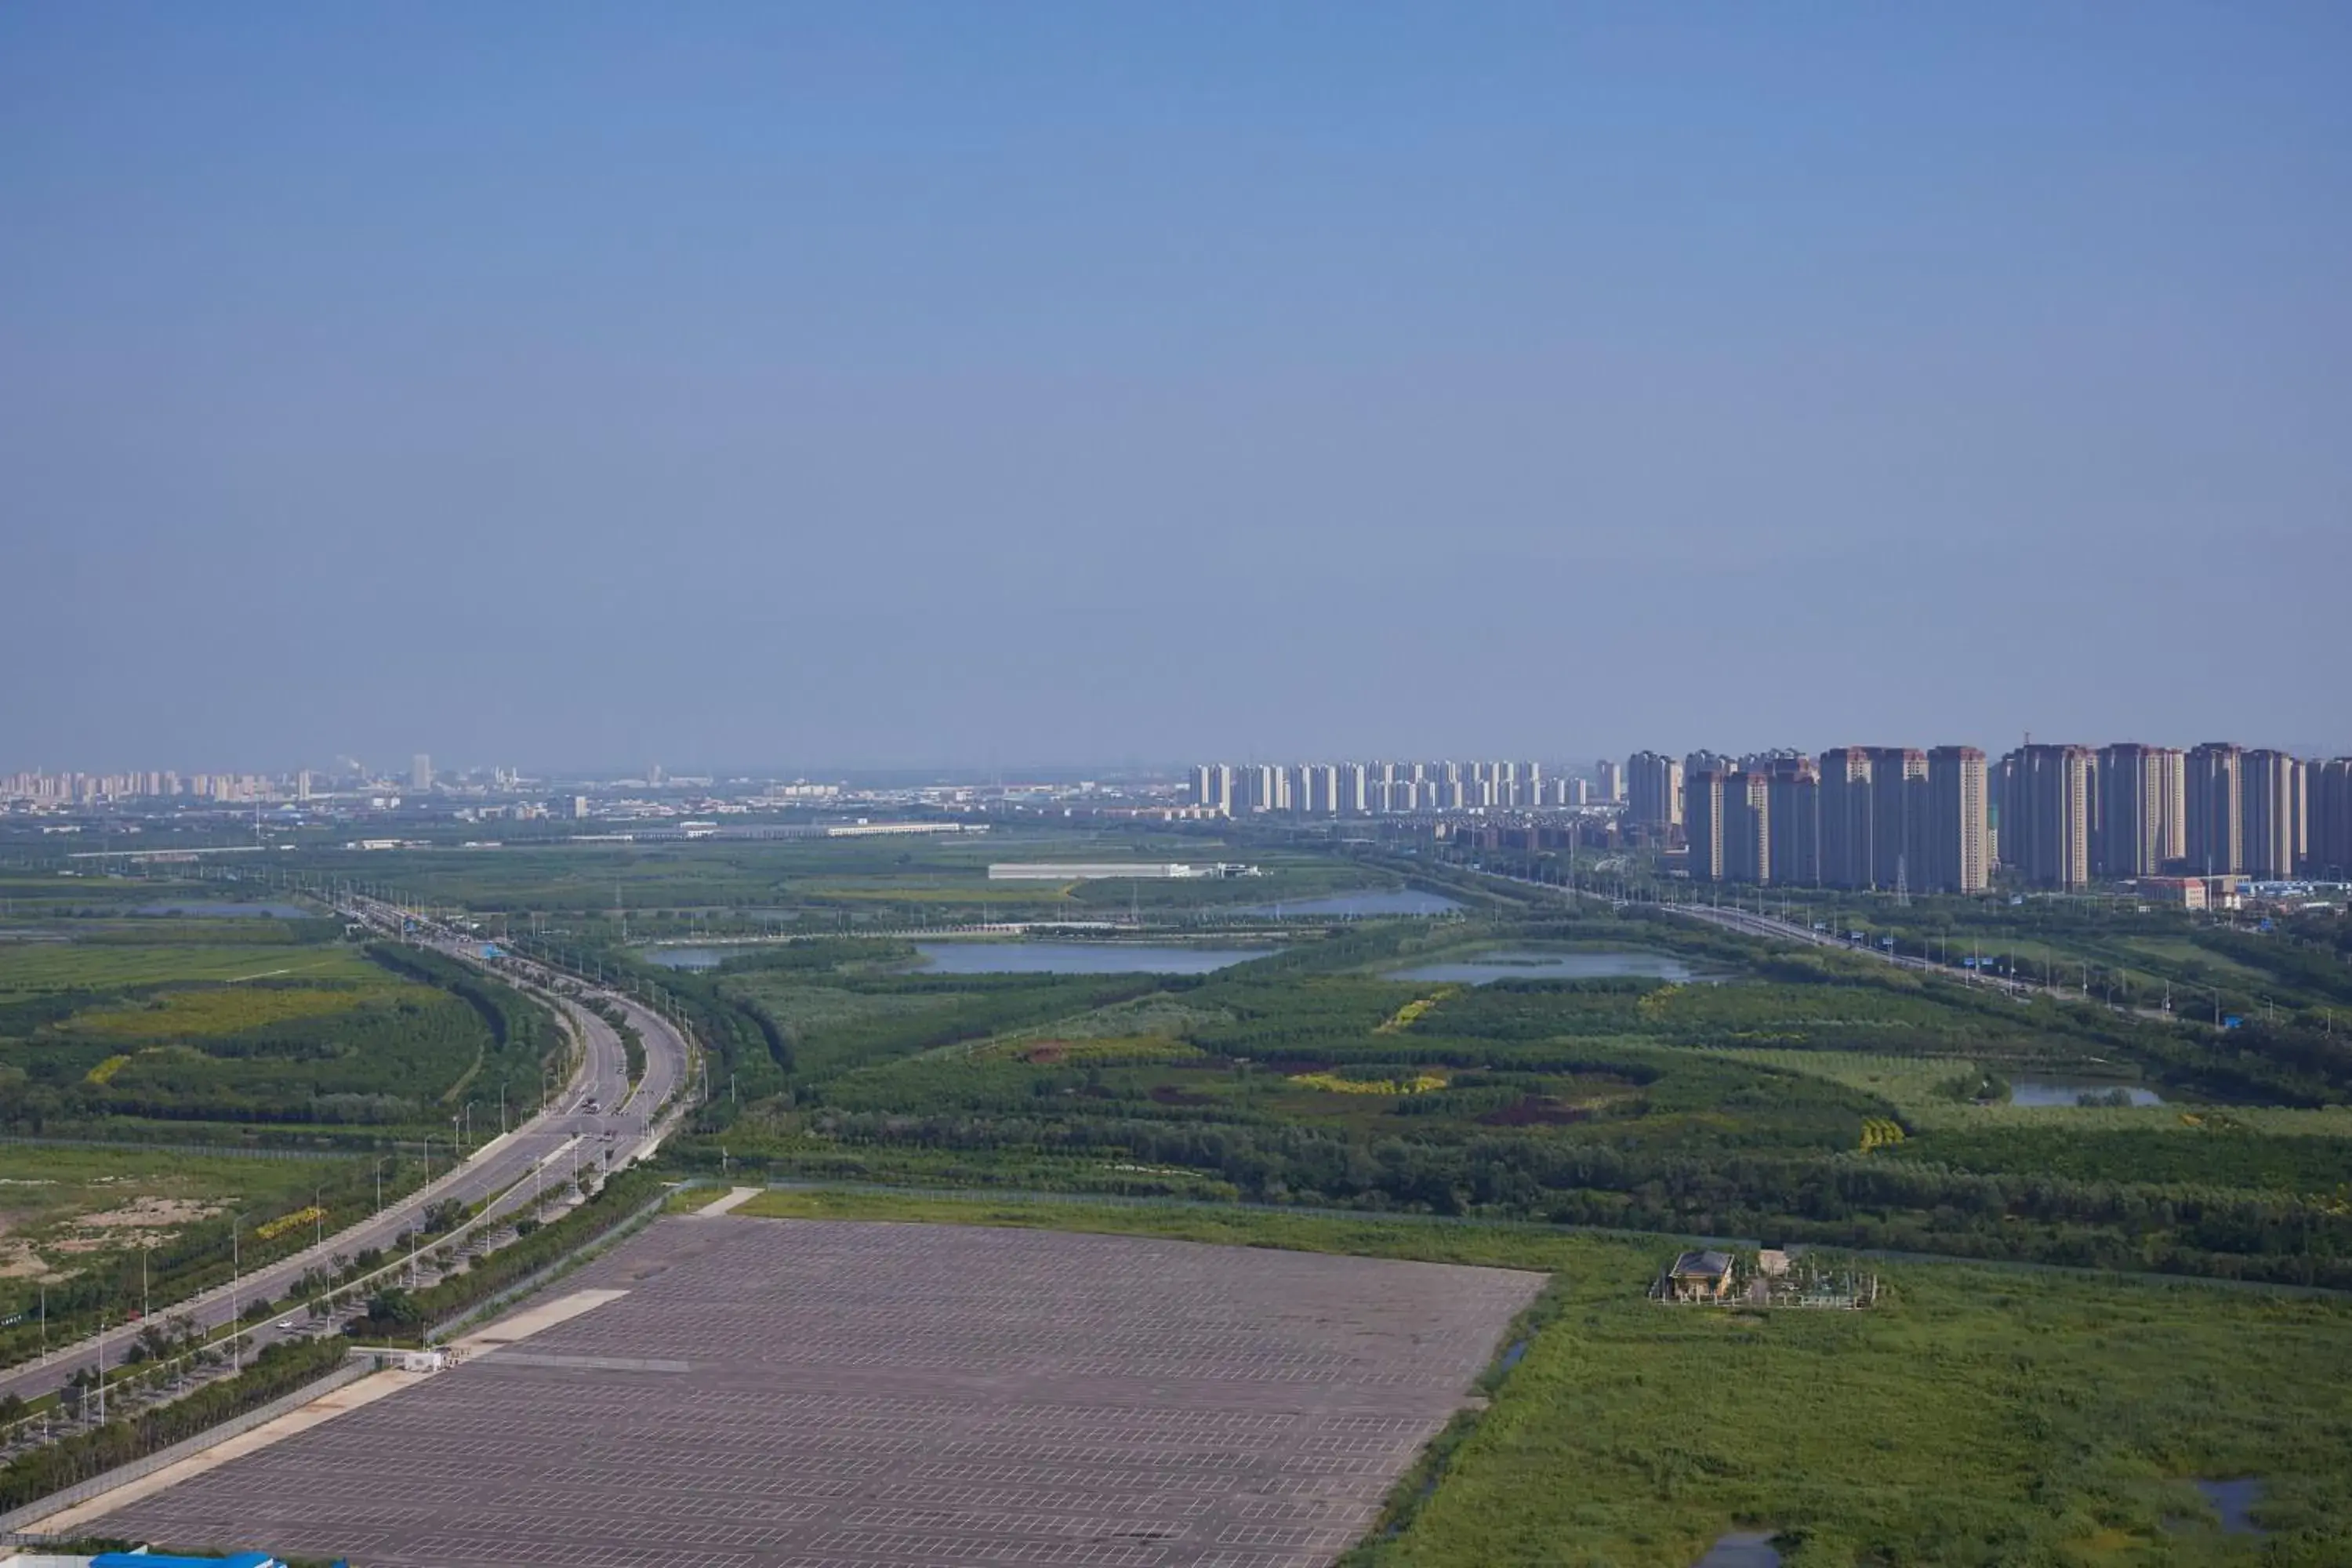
column 2051, row 1091
column 1480, row 968
column 1361, row 904
column 200, row 910
column 1079, row 958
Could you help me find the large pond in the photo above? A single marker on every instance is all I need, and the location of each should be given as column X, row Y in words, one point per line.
column 689, row 957
column 1384, row 902
column 1078, row 958
column 2053, row 1091
column 202, row 910
column 2234, row 1501
column 1483, row 968
column 1743, row 1549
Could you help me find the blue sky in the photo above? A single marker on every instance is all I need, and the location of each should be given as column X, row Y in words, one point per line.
column 910, row 384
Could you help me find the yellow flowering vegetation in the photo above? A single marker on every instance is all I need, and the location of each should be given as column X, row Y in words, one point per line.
column 103, row 1073
column 1653, row 1004
column 284, row 1223
column 230, row 1009
column 1414, row 1010
column 1878, row 1132
column 1420, row 1084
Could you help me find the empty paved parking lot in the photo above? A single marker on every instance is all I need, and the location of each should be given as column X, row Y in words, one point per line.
column 773, row 1391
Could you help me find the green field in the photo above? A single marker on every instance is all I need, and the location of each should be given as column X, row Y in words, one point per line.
column 1976, row 1416
column 31, row 967
column 132, row 1027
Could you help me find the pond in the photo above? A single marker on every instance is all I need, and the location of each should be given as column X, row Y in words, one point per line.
column 1079, row 958
column 2053, row 1091
column 1485, row 967
column 1742, row 1549
column 1368, row 901
column 688, row 957
column 202, row 910
column 2234, row 1501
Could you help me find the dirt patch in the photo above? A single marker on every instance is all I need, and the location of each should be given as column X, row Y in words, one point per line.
column 1169, row 1094
column 141, row 1221
column 19, row 1261
column 146, row 1213
column 1047, row 1053
column 1537, row 1111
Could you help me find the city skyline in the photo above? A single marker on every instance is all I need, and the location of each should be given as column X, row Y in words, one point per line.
column 398, row 765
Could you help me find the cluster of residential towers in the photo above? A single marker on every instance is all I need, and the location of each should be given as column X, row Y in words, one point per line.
column 1939, row 820
column 1884, row 817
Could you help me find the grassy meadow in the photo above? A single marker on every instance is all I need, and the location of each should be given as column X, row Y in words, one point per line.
column 33, row 968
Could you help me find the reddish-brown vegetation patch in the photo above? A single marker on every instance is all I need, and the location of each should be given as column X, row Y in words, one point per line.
column 1537, row 1111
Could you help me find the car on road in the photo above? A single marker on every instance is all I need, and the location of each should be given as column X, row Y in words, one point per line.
column 285, row 1325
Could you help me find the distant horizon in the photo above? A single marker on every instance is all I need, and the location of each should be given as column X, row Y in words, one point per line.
column 1012, row 772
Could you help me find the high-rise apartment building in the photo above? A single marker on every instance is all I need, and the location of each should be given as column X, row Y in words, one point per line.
column 1212, row 787
column 1654, row 790
column 1705, row 796
column 2213, row 803
column 1709, row 762
column 1957, row 858
column 2331, row 820
column 1265, row 787
column 2172, row 788
column 1793, row 806
column 1748, row 828
column 1898, row 816
column 2045, row 815
column 2138, row 810
column 420, row 772
column 1355, row 789
column 1610, row 777
column 1846, row 836
column 2270, row 794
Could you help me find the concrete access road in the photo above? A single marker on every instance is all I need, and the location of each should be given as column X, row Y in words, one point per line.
column 566, row 1134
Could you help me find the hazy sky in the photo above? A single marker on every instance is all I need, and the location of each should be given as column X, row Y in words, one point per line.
column 868, row 384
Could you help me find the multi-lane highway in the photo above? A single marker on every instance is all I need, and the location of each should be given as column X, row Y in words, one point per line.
column 566, row 1135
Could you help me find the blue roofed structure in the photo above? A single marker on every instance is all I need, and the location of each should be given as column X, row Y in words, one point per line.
column 155, row 1560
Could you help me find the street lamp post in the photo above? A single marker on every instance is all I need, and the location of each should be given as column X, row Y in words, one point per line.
column 236, row 1274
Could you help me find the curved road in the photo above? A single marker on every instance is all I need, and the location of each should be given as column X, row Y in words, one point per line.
column 633, row 1125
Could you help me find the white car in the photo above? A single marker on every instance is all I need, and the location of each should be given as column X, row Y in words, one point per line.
column 285, row 1323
